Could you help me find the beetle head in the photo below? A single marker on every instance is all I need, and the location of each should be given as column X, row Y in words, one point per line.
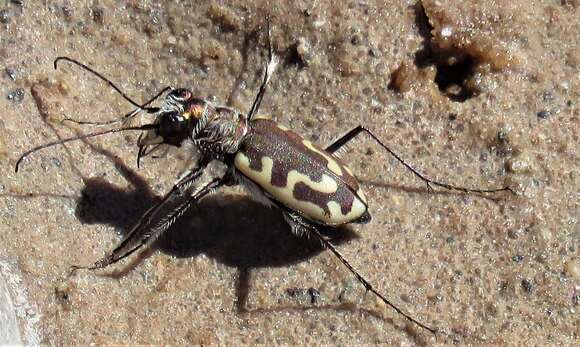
column 176, row 119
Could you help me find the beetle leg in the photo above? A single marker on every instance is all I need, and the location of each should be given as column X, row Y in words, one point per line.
column 327, row 244
column 359, row 129
column 150, row 227
column 272, row 63
column 298, row 222
column 295, row 222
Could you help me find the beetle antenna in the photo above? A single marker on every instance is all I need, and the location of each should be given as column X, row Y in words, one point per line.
column 112, row 85
column 80, row 137
column 126, row 116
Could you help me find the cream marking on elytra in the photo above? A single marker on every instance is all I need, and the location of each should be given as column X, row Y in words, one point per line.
column 327, row 184
column 285, row 194
column 357, row 209
column 256, row 193
column 348, row 170
column 331, row 163
column 283, row 127
column 361, row 196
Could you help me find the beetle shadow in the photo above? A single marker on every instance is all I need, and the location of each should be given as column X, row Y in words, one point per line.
column 232, row 229
column 256, row 237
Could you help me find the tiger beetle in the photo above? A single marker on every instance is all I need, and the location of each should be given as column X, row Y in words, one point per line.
column 312, row 187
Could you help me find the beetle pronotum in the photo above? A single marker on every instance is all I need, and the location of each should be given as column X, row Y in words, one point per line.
column 310, row 184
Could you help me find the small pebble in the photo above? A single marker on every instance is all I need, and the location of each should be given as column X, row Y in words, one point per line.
column 294, row 292
column 492, row 309
column 546, row 234
column 547, row 96
column 62, row 295
column 5, row 16
column 304, row 51
column 446, row 31
column 314, row 295
column 67, row 12
column 541, row 258
column 16, row 95
column 98, row 14
column 56, row 162
column 402, row 78
column 543, row 114
column 527, row 285
column 572, row 268
column 519, row 165
column 11, row 73
column 502, row 135
column 513, row 234
column 503, row 286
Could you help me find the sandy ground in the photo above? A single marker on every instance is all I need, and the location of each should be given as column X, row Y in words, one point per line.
column 480, row 95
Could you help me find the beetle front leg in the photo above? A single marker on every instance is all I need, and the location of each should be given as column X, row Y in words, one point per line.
column 151, row 226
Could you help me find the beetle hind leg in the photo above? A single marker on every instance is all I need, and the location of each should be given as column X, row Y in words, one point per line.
column 297, row 223
column 349, row 136
column 302, row 226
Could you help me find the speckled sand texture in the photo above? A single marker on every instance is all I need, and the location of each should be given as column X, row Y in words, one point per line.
column 479, row 94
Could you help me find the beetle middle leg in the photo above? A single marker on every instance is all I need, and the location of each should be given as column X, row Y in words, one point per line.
column 349, row 136
column 270, row 68
column 301, row 225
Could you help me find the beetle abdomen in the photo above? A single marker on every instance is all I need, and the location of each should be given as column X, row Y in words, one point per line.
column 300, row 175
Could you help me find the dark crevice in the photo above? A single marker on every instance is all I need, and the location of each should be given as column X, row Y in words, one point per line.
column 454, row 67
column 452, row 79
column 423, row 57
column 292, row 58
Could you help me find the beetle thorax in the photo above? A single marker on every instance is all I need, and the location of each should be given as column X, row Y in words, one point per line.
column 220, row 131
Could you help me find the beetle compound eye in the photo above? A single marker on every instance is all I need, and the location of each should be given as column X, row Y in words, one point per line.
column 171, row 124
column 180, row 94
